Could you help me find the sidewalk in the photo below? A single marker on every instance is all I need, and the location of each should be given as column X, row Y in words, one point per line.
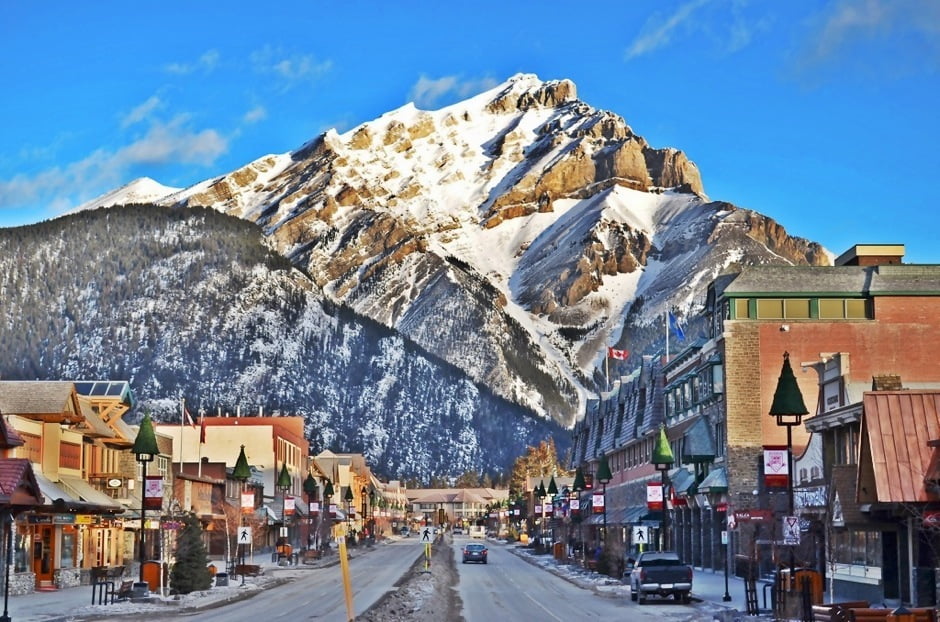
column 75, row 603
column 708, row 588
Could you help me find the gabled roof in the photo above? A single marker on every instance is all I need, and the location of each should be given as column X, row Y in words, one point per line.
column 897, row 430
column 9, row 437
column 40, row 399
column 18, row 485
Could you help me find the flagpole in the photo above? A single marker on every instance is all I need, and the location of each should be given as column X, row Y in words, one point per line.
column 202, row 427
column 666, row 327
column 607, row 370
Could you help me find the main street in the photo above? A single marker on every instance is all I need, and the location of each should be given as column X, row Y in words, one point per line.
column 510, row 588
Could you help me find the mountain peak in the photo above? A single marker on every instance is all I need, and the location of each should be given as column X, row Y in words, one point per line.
column 140, row 190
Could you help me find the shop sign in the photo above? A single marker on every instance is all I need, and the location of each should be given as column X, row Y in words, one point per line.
column 932, row 519
column 115, row 482
column 39, row 519
column 84, row 519
column 63, row 519
column 752, row 516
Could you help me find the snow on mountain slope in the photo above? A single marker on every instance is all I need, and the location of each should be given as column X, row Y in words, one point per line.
column 510, row 234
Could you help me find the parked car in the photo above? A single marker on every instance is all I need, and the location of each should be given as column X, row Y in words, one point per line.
column 477, row 531
column 661, row 573
column 458, row 531
column 405, row 532
column 475, row 553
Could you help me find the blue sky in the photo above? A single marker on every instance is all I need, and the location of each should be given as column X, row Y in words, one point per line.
column 821, row 115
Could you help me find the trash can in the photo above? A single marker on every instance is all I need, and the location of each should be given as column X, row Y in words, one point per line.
column 141, row 589
column 221, row 579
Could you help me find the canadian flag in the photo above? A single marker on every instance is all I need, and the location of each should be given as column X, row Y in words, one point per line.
column 620, row 355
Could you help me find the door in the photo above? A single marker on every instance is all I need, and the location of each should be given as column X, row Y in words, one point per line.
column 44, row 554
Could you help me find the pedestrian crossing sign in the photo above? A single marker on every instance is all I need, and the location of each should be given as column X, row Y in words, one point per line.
column 641, row 534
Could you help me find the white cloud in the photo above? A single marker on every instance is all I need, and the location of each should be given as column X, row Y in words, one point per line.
column 173, row 142
column 290, row 68
column 897, row 37
column 141, row 112
column 658, row 31
column 258, row 113
column 206, row 63
column 427, row 92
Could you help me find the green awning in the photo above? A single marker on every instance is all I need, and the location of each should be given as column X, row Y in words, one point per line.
column 715, row 482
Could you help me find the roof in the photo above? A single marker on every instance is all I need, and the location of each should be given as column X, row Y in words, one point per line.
column 18, row 485
column 38, row 398
column 9, row 437
column 898, row 427
column 880, row 280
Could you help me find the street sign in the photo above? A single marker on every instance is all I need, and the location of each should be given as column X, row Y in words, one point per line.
column 724, row 536
column 244, row 535
column 791, row 530
column 641, row 534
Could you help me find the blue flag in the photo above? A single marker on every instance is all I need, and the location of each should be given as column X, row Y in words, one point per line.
column 676, row 329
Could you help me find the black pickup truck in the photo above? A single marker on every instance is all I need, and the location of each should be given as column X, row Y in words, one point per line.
column 660, row 573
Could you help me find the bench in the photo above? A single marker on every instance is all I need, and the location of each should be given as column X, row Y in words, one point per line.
column 836, row 612
column 250, row 570
column 124, row 592
column 858, row 614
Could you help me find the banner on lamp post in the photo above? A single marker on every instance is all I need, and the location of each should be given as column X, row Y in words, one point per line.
column 776, row 466
column 288, row 506
column 597, row 501
column 314, row 508
column 248, row 502
column 654, row 495
column 153, row 492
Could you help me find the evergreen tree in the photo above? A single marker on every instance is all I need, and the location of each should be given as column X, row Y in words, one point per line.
column 191, row 570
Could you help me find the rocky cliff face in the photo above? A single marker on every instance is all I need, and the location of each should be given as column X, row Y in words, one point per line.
column 509, row 234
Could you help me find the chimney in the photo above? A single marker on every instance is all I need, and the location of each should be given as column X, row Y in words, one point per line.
column 886, row 382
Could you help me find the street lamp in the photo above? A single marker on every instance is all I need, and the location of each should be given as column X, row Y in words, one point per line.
column 363, row 493
column 788, row 409
column 241, row 473
column 552, row 493
column 145, row 450
column 328, row 508
column 576, row 487
column 284, row 485
column 348, row 497
column 604, row 476
column 663, row 460
column 540, row 493
column 310, row 488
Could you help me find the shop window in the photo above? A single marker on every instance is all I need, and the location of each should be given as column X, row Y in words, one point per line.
column 69, row 537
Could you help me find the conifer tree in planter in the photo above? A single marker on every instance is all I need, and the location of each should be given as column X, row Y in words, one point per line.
column 191, row 570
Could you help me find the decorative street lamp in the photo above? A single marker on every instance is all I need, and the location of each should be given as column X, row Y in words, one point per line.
column 241, row 473
column 364, row 494
column 284, row 485
column 145, row 450
column 788, row 409
column 663, row 460
column 310, row 488
column 541, row 493
column 348, row 497
column 328, row 508
column 576, row 488
column 552, row 493
column 604, row 476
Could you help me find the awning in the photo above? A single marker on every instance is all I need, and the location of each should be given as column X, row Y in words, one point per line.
column 52, row 491
column 699, row 446
column 715, row 482
column 682, row 480
column 58, row 500
column 87, row 493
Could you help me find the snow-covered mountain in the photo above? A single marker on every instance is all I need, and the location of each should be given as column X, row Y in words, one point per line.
column 516, row 234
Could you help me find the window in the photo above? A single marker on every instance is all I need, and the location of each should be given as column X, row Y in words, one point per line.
column 769, row 309
column 845, row 439
column 741, row 308
column 859, row 548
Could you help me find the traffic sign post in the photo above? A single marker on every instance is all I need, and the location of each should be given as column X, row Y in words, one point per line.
column 791, row 530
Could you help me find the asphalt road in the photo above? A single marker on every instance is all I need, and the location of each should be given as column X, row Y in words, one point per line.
column 510, row 588
column 319, row 594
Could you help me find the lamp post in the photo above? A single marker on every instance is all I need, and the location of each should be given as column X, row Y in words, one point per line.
column 284, row 485
column 576, row 487
column 241, row 473
column 310, row 488
column 348, row 497
column 663, row 460
column 604, row 476
column 372, row 516
column 363, row 493
column 552, row 493
column 540, row 493
column 9, row 523
column 788, row 409
column 328, row 508
column 145, row 450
